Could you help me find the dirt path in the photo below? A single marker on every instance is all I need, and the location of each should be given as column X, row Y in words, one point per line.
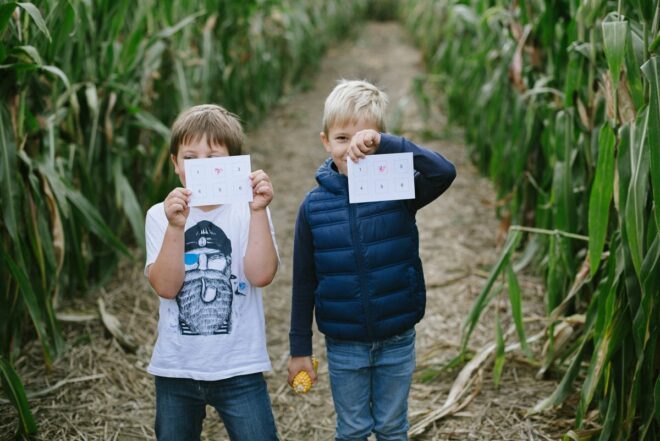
column 107, row 395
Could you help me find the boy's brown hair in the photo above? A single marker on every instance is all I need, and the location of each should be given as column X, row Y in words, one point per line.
column 220, row 126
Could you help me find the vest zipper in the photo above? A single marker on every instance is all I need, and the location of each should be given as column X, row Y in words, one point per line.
column 364, row 293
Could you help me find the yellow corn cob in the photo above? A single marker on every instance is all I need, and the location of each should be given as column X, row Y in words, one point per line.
column 302, row 382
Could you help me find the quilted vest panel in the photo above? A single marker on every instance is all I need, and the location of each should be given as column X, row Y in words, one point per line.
column 370, row 277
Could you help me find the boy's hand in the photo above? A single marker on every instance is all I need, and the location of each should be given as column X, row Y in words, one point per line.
column 176, row 207
column 364, row 142
column 262, row 190
column 297, row 364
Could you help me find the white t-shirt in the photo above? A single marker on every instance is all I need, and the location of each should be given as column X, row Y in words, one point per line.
column 214, row 328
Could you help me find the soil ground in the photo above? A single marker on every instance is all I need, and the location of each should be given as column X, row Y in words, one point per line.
column 98, row 391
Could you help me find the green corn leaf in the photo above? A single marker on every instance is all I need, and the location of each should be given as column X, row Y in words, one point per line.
column 184, row 91
column 9, row 190
column 58, row 189
column 601, row 196
column 499, row 351
column 651, row 270
column 607, row 287
column 645, row 9
column 633, row 74
column 566, row 385
column 29, row 298
column 150, row 122
column 95, row 222
column 482, row 300
column 92, row 97
column 650, row 287
column 31, row 52
column 651, row 70
column 36, row 17
column 614, row 38
column 655, row 44
column 515, row 298
column 37, row 241
column 562, row 186
column 610, row 416
column 170, row 31
column 623, row 169
column 642, row 382
column 598, row 361
column 634, row 216
column 6, row 12
column 58, row 73
column 15, row 391
column 128, row 202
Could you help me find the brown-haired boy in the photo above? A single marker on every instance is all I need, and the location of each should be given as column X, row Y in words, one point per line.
column 208, row 265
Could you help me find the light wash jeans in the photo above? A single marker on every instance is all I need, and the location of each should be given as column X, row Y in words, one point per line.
column 242, row 402
column 370, row 383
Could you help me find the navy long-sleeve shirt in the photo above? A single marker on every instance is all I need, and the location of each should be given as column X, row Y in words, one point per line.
column 433, row 175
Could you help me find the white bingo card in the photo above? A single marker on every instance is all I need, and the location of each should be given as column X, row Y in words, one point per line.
column 222, row 180
column 383, row 177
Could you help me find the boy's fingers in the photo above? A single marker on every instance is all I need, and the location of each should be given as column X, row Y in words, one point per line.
column 265, row 192
column 258, row 174
column 176, row 207
column 177, row 201
column 178, row 195
column 258, row 177
column 356, row 152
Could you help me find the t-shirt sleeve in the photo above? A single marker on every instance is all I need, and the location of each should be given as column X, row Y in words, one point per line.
column 154, row 226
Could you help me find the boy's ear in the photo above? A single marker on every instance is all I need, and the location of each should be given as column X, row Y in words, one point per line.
column 176, row 165
column 325, row 141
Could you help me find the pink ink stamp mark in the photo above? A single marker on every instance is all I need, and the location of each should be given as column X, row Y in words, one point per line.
column 217, row 170
column 381, row 169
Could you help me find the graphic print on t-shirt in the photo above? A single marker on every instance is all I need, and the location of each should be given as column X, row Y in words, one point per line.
column 205, row 300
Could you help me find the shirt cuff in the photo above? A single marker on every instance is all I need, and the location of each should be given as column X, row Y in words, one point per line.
column 300, row 345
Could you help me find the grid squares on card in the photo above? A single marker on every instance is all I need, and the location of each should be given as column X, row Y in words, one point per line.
column 222, row 180
column 381, row 177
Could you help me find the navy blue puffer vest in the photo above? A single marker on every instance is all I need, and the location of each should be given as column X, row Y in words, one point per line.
column 370, row 278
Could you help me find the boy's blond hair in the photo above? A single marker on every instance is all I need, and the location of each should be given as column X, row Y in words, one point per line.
column 220, row 126
column 353, row 101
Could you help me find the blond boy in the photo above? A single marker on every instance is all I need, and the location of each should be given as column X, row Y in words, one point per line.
column 357, row 267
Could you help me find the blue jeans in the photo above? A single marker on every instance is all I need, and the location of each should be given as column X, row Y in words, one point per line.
column 242, row 402
column 370, row 383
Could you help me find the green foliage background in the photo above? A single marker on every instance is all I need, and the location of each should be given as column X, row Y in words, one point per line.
column 560, row 101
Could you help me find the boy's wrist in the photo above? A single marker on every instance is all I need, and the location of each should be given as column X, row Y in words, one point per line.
column 175, row 227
